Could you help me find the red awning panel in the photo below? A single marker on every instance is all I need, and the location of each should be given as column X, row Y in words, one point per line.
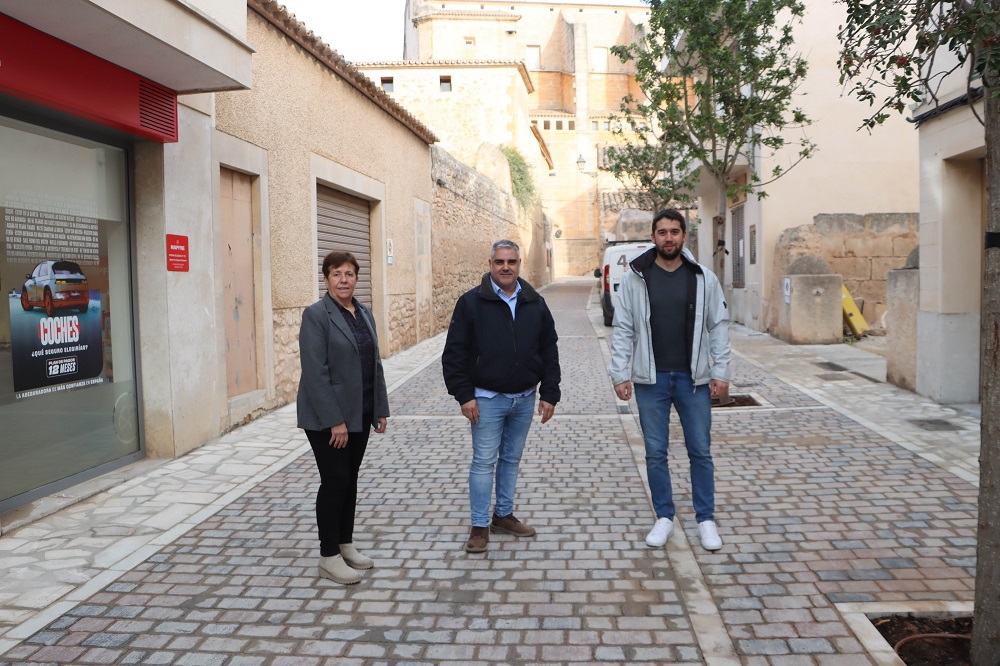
column 39, row 68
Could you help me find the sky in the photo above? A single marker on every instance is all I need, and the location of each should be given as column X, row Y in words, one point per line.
column 359, row 30
column 364, row 30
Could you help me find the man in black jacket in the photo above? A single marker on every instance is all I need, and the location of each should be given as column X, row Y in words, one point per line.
column 501, row 345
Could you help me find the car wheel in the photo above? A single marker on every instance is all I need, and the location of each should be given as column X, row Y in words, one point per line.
column 608, row 319
column 50, row 307
column 25, row 303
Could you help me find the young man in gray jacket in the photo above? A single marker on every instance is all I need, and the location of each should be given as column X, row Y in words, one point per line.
column 672, row 326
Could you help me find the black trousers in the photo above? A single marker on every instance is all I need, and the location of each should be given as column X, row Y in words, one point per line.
column 338, row 488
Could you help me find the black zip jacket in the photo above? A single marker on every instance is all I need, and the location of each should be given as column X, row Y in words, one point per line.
column 488, row 348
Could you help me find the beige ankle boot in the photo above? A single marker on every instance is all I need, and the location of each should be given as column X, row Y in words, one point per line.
column 336, row 569
column 355, row 559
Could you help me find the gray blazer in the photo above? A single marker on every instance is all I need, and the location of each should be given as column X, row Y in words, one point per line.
column 330, row 386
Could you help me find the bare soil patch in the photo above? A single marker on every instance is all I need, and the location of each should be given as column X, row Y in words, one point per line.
column 928, row 641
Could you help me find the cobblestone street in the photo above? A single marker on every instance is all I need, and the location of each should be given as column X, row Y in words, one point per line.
column 833, row 499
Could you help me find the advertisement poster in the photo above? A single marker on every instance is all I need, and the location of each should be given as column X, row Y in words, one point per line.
column 55, row 317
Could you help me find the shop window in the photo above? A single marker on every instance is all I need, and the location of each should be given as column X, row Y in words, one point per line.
column 66, row 330
column 387, row 84
column 445, row 84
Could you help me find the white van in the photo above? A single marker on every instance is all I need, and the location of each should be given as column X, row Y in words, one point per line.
column 616, row 259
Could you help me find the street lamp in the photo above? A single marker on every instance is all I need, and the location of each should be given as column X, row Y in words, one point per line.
column 581, row 162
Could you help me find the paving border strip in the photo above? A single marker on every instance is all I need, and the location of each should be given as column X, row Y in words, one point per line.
column 856, row 615
column 717, row 647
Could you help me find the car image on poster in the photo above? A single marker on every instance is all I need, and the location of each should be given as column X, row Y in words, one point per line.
column 56, row 336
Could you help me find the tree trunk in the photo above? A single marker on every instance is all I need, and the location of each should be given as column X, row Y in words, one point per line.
column 986, row 622
column 719, row 236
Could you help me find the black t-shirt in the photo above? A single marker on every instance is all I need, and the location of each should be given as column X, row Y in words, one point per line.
column 668, row 295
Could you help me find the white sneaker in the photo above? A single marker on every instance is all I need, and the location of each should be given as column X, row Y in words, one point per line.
column 709, row 533
column 658, row 536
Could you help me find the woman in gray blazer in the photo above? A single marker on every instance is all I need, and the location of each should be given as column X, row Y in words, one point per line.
column 342, row 394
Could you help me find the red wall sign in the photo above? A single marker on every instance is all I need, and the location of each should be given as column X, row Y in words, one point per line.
column 177, row 253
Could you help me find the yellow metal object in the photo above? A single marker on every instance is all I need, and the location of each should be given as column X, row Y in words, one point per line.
column 852, row 315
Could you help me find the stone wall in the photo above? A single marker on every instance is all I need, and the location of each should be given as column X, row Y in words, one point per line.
column 470, row 212
column 286, row 353
column 860, row 248
column 402, row 322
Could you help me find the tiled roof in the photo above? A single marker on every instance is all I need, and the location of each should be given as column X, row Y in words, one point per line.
column 550, row 113
column 427, row 64
column 467, row 15
column 618, row 200
column 296, row 30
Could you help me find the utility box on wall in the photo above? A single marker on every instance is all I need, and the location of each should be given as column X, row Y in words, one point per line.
column 810, row 310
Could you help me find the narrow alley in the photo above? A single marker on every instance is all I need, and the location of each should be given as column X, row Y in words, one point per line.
column 833, row 503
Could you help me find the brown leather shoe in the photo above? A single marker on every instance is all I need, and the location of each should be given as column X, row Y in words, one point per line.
column 478, row 538
column 511, row 525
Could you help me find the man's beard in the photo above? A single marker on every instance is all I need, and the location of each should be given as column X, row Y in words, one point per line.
column 670, row 256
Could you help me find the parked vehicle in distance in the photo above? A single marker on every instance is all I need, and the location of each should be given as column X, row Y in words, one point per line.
column 616, row 259
column 56, row 285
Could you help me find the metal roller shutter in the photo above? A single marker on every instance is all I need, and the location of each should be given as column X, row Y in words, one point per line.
column 342, row 224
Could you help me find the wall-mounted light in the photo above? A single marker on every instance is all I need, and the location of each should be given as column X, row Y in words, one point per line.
column 581, row 162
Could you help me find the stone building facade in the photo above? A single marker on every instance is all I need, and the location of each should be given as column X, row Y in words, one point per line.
column 470, row 212
column 953, row 204
column 576, row 84
column 105, row 171
column 312, row 124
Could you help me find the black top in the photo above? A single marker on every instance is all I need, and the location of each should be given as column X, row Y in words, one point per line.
column 668, row 296
column 641, row 266
column 489, row 348
column 366, row 351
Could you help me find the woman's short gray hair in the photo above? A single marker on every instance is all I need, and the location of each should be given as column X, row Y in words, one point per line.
column 501, row 244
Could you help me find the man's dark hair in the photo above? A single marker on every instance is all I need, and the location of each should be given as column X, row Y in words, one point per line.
column 338, row 258
column 670, row 214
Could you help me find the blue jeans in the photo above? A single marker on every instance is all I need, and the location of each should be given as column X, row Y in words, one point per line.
column 694, row 407
column 497, row 443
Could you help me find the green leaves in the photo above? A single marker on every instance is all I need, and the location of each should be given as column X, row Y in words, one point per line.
column 521, row 181
column 719, row 79
column 894, row 52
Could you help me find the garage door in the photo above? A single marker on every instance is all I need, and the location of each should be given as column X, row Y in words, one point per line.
column 342, row 224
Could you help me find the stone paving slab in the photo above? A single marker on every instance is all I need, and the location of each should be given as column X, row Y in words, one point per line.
column 832, row 504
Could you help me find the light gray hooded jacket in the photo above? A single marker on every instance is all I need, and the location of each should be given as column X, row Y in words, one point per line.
column 632, row 339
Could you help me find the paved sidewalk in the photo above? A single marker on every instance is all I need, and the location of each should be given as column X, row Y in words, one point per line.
column 834, row 499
